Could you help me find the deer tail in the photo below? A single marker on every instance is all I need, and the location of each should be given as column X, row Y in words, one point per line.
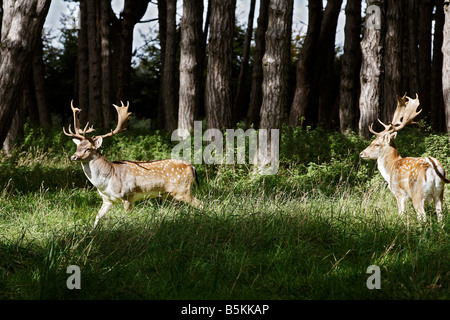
column 436, row 169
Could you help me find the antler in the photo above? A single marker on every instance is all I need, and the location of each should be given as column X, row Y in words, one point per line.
column 79, row 133
column 123, row 117
column 404, row 114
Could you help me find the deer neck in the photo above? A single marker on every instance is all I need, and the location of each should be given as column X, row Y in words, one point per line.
column 387, row 161
column 98, row 170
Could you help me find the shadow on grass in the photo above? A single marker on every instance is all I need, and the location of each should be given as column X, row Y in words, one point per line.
column 203, row 255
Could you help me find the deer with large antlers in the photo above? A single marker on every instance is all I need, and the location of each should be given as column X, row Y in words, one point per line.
column 129, row 181
column 419, row 179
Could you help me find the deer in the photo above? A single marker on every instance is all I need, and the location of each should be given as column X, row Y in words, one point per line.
column 418, row 179
column 129, row 181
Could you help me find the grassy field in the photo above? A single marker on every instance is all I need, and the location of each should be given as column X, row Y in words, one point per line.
column 308, row 232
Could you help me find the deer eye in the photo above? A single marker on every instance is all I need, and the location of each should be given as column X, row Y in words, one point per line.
column 377, row 144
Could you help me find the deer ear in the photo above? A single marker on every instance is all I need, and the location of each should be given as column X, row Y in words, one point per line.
column 98, row 142
column 76, row 141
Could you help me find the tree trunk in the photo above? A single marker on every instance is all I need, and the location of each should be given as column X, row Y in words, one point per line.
column 446, row 66
column 413, row 47
column 21, row 27
column 305, row 71
column 132, row 12
column 370, row 75
column 218, row 79
column 425, row 24
column 257, row 74
column 325, row 63
column 392, row 59
column 95, row 116
column 106, row 63
column 351, row 64
column 162, row 31
column 275, row 67
column 39, row 86
column 190, row 63
column 82, row 88
column 239, row 101
column 437, row 100
column 168, row 76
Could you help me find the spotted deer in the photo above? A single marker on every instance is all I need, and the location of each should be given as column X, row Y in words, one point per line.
column 129, row 181
column 419, row 179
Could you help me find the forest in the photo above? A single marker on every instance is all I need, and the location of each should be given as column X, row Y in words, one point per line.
column 312, row 230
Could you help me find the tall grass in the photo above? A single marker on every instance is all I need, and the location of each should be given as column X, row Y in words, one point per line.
column 309, row 232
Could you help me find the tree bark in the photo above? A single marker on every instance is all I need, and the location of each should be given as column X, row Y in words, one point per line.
column 325, row 62
column 257, row 74
column 305, row 71
column 38, row 70
column 437, row 100
column 392, row 59
column 106, row 63
column 162, row 24
column 425, row 24
column 22, row 23
column 168, row 76
column 275, row 67
column 95, row 116
column 190, row 63
column 351, row 64
column 218, row 79
column 370, row 75
column 132, row 12
column 446, row 66
column 238, row 106
column 82, row 76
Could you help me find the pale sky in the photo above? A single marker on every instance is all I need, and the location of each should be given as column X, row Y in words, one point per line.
column 299, row 22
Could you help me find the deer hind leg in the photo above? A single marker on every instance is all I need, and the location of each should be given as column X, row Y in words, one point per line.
column 103, row 210
column 419, row 206
column 438, row 200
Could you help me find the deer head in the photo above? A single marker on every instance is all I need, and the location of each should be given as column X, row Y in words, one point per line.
column 404, row 115
column 87, row 146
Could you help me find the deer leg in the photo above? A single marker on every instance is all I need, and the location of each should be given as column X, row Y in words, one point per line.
column 401, row 203
column 438, row 199
column 419, row 206
column 105, row 207
column 127, row 205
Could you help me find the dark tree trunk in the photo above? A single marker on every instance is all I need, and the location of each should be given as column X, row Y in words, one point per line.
column 168, row 77
column 162, row 23
column 239, row 100
column 425, row 21
column 22, row 23
column 39, row 87
column 325, row 61
column 106, row 63
column 305, row 70
column 351, row 64
column 392, row 59
column 218, row 78
column 95, row 116
column 191, row 64
column 446, row 66
column 437, row 99
column 82, row 88
column 257, row 74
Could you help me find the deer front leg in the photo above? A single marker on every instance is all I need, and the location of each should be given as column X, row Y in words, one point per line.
column 105, row 207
